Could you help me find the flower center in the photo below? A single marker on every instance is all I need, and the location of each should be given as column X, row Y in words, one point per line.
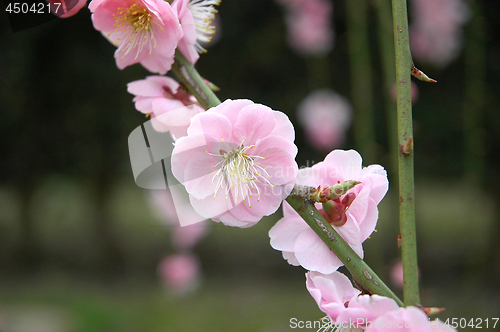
column 135, row 29
column 239, row 172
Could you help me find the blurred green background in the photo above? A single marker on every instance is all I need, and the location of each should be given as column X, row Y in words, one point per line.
column 79, row 243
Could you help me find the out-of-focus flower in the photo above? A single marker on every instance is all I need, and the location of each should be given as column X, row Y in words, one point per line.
column 436, row 30
column 237, row 162
column 65, row 8
column 184, row 237
column 326, row 116
column 145, row 31
column 196, row 18
column 309, row 26
column 300, row 244
column 165, row 100
column 180, row 273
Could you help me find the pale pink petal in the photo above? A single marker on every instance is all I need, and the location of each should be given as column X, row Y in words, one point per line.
column 212, row 124
column 314, row 255
column 283, row 127
column 275, row 141
column 262, row 119
column 290, row 258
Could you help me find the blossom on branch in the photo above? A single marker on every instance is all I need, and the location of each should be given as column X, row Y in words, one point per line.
column 196, row 18
column 350, row 310
column 145, row 31
column 237, row 162
column 300, row 244
column 164, row 99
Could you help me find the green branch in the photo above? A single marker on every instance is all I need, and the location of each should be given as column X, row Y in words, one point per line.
column 405, row 153
column 188, row 75
column 364, row 276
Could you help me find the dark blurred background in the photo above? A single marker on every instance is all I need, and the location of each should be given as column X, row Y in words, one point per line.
column 80, row 244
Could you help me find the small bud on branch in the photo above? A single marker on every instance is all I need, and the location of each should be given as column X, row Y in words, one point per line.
column 333, row 192
column 418, row 74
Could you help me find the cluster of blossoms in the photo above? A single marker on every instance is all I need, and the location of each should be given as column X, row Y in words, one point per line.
column 435, row 32
column 309, row 24
column 236, row 160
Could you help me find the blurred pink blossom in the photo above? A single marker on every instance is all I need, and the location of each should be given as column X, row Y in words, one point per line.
column 183, row 237
column 65, row 8
column 309, row 26
column 180, row 273
column 300, row 244
column 436, row 30
column 145, row 31
column 326, row 116
column 237, row 162
column 165, row 100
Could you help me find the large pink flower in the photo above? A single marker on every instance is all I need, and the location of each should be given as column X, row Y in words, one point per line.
column 165, row 100
column 237, row 162
column 300, row 244
column 196, row 17
column 145, row 31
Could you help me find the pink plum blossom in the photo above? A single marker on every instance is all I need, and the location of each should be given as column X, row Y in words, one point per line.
column 165, row 100
column 346, row 308
column 196, row 17
column 436, row 30
column 237, row 162
column 309, row 26
column 409, row 319
column 145, row 31
column 326, row 116
column 66, row 8
column 180, row 273
column 300, row 244
column 341, row 302
column 184, row 237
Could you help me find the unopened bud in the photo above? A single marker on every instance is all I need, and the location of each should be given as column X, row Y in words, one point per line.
column 433, row 311
column 418, row 74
